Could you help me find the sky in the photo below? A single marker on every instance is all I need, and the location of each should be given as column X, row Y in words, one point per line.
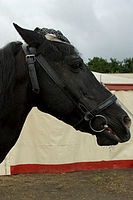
column 102, row 28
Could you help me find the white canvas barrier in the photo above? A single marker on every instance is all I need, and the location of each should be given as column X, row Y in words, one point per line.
column 48, row 145
column 114, row 78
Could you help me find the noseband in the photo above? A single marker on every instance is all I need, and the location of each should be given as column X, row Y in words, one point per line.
column 32, row 58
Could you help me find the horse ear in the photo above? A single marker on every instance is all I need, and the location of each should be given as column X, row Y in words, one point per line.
column 32, row 38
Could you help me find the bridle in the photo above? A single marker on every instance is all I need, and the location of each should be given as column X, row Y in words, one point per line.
column 32, row 58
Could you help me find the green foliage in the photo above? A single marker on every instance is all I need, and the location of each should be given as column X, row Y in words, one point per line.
column 113, row 66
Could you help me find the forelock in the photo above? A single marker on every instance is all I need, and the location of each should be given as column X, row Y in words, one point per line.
column 51, row 34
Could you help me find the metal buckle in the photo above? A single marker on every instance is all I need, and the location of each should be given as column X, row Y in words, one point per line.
column 104, row 127
column 88, row 116
column 31, row 56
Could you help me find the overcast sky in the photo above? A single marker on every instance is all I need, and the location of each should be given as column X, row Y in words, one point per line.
column 101, row 28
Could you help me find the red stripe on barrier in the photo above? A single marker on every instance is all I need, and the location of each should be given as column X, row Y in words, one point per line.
column 118, row 87
column 72, row 167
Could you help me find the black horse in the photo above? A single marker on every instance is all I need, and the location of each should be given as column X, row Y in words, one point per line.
column 50, row 74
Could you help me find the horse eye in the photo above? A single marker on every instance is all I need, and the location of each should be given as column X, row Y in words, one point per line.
column 75, row 62
column 76, row 68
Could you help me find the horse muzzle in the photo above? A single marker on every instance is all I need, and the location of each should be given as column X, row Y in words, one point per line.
column 112, row 137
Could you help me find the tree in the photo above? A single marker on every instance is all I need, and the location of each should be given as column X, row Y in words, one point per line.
column 113, row 66
column 98, row 64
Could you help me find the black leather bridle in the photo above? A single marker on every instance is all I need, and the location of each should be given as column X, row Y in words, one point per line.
column 32, row 58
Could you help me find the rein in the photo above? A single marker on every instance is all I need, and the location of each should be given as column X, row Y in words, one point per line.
column 32, row 58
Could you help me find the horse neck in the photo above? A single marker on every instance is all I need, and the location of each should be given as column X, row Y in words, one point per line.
column 15, row 104
column 16, row 99
column 10, row 128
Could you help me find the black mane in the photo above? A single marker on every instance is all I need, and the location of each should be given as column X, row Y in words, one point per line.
column 7, row 68
column 7, row 71
column 58, row 33
column 56, row 51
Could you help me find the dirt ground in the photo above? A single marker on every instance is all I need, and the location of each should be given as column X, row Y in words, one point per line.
column 89, row 185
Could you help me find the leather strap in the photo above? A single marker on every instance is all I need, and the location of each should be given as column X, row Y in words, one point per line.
column 31, row 59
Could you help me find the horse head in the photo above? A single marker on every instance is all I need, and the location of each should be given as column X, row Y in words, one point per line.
column 69, row 91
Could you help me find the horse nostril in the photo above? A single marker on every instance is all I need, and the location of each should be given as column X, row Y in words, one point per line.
column 127, row 121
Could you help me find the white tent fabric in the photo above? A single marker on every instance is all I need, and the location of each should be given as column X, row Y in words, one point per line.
column 46, row 141
column 114, row 78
